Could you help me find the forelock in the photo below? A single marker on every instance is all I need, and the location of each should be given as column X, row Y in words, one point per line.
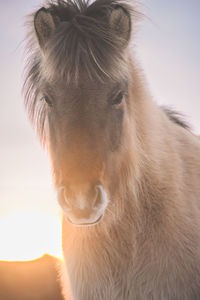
column 83, row 42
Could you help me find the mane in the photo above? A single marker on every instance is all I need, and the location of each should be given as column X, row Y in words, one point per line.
column 82, row 44
column 176, row 117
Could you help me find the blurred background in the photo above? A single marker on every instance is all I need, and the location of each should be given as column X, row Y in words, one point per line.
column 168, row 48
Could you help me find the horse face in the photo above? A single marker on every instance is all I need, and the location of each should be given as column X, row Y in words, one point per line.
column 85, row 130
column 85, row 112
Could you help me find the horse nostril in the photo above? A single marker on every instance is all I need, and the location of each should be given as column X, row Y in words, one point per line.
column 62, row 199
column 100, row 197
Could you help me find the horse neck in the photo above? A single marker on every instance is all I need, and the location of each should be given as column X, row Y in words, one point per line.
column 156, row 137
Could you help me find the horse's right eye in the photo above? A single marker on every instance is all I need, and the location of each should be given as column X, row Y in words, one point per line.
column 48, row 101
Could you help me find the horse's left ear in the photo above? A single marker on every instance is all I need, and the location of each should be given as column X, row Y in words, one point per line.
column 120, row 23
column 45, row 25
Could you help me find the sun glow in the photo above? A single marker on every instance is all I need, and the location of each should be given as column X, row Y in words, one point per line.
column 29, row 235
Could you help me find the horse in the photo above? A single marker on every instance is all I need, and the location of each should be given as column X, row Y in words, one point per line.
column 127, row 172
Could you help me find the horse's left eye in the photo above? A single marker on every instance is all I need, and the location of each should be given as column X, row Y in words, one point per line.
column 118, row 99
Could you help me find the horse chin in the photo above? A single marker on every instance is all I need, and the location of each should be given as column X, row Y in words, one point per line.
column 85, row 224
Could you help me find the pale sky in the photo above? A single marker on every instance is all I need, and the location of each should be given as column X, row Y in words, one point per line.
column 168, row 48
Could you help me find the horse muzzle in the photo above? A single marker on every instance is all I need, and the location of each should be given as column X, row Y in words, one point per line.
column 83, row 209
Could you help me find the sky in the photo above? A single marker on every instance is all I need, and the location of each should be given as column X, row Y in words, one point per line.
column 167, row 47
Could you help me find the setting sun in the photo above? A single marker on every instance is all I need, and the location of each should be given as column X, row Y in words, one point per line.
column 28, row 235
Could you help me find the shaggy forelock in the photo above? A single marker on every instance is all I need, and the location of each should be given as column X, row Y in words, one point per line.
column 83, row 42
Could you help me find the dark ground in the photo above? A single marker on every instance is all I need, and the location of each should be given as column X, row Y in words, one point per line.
column 33, row 280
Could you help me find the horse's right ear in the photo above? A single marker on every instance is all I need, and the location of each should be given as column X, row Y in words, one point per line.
column 45, row 25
